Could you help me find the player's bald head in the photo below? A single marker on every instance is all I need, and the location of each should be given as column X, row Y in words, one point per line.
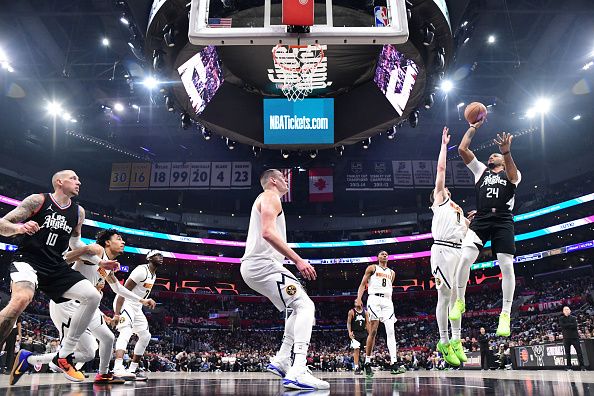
column 60, row 175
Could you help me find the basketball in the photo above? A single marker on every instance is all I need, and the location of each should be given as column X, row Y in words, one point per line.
column 475, row 112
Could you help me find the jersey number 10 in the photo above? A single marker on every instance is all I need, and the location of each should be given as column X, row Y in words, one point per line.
column 51, row 239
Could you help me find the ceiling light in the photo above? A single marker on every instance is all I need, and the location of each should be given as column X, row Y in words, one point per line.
column 530, row 113
column 429, row 100
column 150, row 82
column 366, row 143
column 491, row 39
column 118, row 107
column 313, row 153
column 588, row 65
column 124, row 20
column 168, row 36
column 169, row 103
column 230, row 144
column 285, row 154
column 447, row 86
column 576, row 117
column 206, row 134
column 542, row 105
column 186, row 120
column 135, row 107
column 339, row 150
column 105, row 42
column 391, row 133
column 54, row 108
column 413, row 118
column 66, row 116
column 460, row 104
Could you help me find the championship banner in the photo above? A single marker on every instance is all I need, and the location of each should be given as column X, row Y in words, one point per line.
column 369, row 176
column 423, row 173
column 120, row 176
column 463, row 177
column 403, row 174
column 321, row 187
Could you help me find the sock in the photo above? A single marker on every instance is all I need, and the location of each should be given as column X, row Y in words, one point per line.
column 508, row 281
column 391, row 341
column 367, row 359
column 288, row 339
column 469, row 256
column 441, row 313
column 356, row 366
column 89, row 298
column 133, row 367
column 118, row 364
column 40, row 359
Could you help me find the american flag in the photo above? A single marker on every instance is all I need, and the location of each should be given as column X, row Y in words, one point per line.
column 288, row 174
column 219, row 22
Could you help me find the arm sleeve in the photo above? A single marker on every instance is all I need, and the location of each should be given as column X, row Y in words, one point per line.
column 519, row 178
column 76, row 243
column 122, row 291
column 477, row 168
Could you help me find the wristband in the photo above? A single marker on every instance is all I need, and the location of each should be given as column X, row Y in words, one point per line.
column 506, row 153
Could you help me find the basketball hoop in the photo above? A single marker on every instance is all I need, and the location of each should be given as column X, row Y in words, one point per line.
column 297, row 65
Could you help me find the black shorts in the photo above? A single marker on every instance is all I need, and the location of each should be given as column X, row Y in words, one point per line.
column 497, row 228
column 362, row 338
column 54, row 284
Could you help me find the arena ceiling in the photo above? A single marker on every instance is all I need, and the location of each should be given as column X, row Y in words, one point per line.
column 57, row 54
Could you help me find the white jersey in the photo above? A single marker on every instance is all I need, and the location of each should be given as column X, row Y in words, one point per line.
column 256, row 247
column 95, row 274
column 381, row 281
column 449, row 223
column 144, row 280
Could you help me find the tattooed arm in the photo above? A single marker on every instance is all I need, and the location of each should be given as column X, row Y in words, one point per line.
column 9, row 224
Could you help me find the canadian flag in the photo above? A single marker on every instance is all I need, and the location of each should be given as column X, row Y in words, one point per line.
column 321, row 185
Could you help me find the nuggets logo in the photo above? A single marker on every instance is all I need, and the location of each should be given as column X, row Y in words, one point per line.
column 437, row 282
column 291, row 290
column 122, row 319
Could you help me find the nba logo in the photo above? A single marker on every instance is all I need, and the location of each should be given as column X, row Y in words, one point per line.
column 381, row 16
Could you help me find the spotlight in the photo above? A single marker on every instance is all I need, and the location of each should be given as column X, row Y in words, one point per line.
column 588, row 65
column 542, row 105
column 169, row 103
column 118, row 107
column 491, row 39
column 339, row 150
column 285, row 154
column 429, row 101
column 313, row 154
column 256, row 150
column 66, row 116
column 206, row 134
column 168, row 36
column 150, row 82
column 54, row 108
column 124, row 20
column 186, row 120
column 576, row 117
column 391, row 133
column 447, row 86
column 413, row 118
column 530, row 113
column 105, row 42
column 428, row 34
column 440, row 60
column 158, row 60
column 230, row 144
column 135, row 107
column 366, row 143
column 460, row 105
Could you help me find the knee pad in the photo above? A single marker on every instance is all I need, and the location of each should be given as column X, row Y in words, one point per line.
column 123, row 339
column 144, row 337
column 86, row 353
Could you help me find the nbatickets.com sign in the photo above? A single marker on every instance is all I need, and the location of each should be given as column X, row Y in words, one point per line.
column 310, row 121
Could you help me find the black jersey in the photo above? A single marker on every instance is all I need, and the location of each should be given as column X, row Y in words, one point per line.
column 494, row 191
column 44, row 249
column 358, row 322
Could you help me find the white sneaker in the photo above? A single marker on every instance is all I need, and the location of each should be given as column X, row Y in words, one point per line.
column 302, row 378
column 124, row 374
column 279, row 366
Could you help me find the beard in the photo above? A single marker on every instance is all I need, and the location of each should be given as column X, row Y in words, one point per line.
column 491, row 165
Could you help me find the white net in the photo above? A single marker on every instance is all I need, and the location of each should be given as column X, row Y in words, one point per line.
column 297, row 66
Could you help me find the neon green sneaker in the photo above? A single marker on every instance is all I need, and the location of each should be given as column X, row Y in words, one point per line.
column 503, row 330
column 458, row 350
column 448, row 354
column 457, row 310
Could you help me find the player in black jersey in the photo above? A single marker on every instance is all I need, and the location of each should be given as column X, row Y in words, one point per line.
column 51, row 223
column 357, row 321
column 495, row 186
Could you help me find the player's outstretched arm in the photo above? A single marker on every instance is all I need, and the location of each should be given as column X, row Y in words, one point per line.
column 9, row 224
column 439, row 193
column 349, row 318
column 504, row 141
column 464, row 147
column 364, row 281
column 270, row 207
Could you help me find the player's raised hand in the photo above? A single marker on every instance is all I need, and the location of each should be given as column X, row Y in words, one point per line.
column 504, row 141
column 29, row 228
column 445, row 137
column 306, row 269
column 111, row 265
column 479, row 123
column 470, row 215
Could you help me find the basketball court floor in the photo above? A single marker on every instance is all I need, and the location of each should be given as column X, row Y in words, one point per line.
column 422, row 383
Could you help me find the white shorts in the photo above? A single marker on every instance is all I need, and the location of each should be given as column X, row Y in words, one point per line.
column 471, row 239
column 444, row 261
column 24, row 273
column 272, row 280
column 380, row 308
column 132, row 316
column 61, row 315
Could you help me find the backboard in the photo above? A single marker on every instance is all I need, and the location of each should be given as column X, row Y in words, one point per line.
column 259, row 22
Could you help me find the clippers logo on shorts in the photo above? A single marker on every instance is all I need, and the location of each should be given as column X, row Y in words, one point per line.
column 291, row 290
column 56, row 221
